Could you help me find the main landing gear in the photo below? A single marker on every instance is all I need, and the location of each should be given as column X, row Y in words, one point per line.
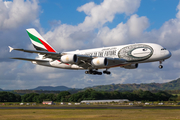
column 97, row 73
column 93, row 72
column 106, row 72
column 160, row 66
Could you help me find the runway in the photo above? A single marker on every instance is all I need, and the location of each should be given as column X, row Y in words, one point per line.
column 155, row 107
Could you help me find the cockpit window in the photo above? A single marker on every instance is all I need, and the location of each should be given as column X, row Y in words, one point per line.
column 163, row 49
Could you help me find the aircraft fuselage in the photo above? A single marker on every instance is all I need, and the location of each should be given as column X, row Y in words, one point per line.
column 132, row 53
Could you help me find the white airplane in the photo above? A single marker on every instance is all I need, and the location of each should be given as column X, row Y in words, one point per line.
column 126, row 56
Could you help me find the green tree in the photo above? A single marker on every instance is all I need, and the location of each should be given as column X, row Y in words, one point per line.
column 18, row 98
column 61, row 97
column 51, row 97
column 40, row 98
column 162, row 96
column 29, row 97
column 7, row 97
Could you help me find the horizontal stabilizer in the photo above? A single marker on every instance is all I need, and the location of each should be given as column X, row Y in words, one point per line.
column 10, row 48
column 28, row 59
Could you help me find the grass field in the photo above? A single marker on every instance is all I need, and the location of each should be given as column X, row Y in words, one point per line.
column 88, row 114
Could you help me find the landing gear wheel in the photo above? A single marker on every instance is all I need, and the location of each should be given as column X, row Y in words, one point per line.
column 93, row 72
column 107, row 72
column 160, row 66
column 99, row 73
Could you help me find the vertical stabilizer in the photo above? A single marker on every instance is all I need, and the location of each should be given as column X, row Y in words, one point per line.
column 38, row 41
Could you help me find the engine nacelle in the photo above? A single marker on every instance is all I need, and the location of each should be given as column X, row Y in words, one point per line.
column 69, row 58
column 99, row 62
column 132, row 66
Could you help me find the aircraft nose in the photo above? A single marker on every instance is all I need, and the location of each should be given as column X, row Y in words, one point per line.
column 168, row 54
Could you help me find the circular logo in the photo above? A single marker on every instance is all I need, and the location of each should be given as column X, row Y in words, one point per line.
column 136, row 52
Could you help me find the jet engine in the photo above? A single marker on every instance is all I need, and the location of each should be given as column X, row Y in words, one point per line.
column 131, row 66
column 99, row 62
column 69, row 58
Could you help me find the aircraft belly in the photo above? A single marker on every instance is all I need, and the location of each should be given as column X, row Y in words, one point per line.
column 59, row 64
column 42, row 63
column 76, row 67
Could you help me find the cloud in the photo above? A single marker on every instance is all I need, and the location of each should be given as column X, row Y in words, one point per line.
column 15, row 17
column 70, row 37
column 98, row 15
column 124, row 33
column 17, row 13
column 87, row 8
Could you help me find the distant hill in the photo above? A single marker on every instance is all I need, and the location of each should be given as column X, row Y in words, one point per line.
column 50, row 88
column 173, row 85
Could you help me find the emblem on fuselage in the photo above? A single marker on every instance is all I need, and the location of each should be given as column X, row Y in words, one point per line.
column 98, row 62
column 67, row 58
column 135, row 52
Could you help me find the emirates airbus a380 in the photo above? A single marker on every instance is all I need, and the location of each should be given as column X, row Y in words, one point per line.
column 125, row 56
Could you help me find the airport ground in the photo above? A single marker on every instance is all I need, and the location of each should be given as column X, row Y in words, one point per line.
column 88, row 114
column 15, row 111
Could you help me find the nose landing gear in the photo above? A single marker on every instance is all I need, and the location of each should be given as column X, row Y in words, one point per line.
column 160, row 66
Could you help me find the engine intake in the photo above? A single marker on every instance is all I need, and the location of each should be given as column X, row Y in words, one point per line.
column 69, row 58
column 99, row 62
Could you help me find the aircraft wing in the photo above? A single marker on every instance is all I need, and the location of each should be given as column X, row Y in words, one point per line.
column 46, row 54
column 85, row 61
column 28, row 59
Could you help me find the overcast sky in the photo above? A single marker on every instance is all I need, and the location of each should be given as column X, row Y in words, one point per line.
column 70, row 25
